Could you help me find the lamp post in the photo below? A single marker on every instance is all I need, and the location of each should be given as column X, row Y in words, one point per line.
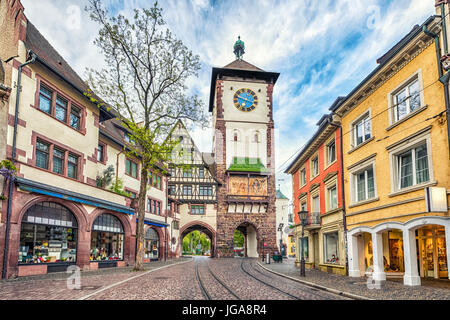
column 303, row 215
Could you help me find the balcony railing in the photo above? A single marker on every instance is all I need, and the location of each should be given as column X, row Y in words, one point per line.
column 314, row 220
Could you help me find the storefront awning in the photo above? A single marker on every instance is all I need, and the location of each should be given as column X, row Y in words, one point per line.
column 155, row 223
column 36, row 187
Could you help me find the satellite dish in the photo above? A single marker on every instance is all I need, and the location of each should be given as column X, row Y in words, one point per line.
column 287, row 230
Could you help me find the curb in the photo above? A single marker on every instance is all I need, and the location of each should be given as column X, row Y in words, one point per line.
column 311, row 284
column 132, row 278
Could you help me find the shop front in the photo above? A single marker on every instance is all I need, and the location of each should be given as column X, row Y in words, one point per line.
column 107, row 241
column 413, row 250
column 151, row 245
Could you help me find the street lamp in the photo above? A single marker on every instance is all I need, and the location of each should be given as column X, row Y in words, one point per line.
column 303, row 215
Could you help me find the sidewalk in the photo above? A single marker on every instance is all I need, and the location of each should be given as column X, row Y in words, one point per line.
column 53, row 286
column 391, row 290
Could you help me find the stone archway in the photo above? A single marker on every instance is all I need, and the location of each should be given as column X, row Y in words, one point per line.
column 251, row 239
column 202, row 227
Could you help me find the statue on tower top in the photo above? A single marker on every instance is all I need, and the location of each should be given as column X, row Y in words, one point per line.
column 239, row 48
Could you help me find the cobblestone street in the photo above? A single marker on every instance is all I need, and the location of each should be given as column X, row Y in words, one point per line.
column 391, row 290
column 182, row 279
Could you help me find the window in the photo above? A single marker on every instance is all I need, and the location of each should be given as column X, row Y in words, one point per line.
column 332, row 198
column 64, row 110
column 256, row 137
column 362, row 130
column 412, row 167
column 205, row 190
column 72, row 166
column 187, row 190
column 406, row 100
column 331, row 151
column 290, row 218
column 201, row 172
column 58, row 161
column 127, row 137
column 131, row 168
column 48, row 234
column 197, row 209
column 158, row 182
column 172, row 190
column 303, row 177
column 187, row 173
column 100, row 153
column 42, row 154
column 303, row 206
column 107, row 238
column 330, row 241
column 315, row 166
column 61, row 109
column 154, row 206
column 176, row 225
column 365, row 184
column 151, row 245
column 45, row 99
column 133, row 195
column 316, row 204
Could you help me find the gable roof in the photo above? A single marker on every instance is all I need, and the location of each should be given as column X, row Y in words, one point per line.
column 50, row 58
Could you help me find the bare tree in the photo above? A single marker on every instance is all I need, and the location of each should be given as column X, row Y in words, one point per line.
column 145, row 82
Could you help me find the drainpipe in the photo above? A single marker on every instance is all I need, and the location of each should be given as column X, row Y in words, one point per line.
column 344, row 217
column 33, row 57
column 443, row 78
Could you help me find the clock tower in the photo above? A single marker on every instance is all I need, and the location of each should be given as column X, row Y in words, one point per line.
column 244, row 153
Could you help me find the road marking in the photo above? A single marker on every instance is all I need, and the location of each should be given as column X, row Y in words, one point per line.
column 129, row 279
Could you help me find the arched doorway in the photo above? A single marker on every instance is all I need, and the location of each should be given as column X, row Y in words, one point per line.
column 250, row 239
column 202, row 228
column 48, row 234
column 151, row 244
column 239, row 244
column 107, row 239
column 196, row 243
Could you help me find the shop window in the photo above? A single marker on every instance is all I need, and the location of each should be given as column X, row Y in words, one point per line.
column 48, row 235
column 107, row 239
column 151, row 246
column 432, row 252
column 305, row 244
column 330, row 241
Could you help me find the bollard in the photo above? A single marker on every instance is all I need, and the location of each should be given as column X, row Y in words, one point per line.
column 268, row 258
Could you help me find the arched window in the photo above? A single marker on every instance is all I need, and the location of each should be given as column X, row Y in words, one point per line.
column 151, row 245
column 48, row 234
column 236, row 135
column 107, row 238
column 256, row 136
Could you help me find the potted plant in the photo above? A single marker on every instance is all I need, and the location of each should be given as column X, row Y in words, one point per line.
column 7, row 170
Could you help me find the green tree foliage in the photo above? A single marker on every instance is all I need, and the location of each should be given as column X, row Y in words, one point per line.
column 195, row 238
column 238, row 239
column 106, row 177
column 145, row 82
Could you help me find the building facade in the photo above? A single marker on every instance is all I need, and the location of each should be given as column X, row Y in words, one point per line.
column 243, row 145
column 57, row 212
column 317, row 188
column 284, row 220
column 396, row 163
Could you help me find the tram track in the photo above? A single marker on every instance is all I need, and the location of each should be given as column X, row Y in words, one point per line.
column 203, row 289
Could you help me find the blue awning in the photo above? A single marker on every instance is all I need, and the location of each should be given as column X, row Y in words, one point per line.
column 155, row 223
column 36, row 187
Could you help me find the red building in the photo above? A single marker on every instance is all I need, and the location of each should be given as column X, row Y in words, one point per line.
column 317, row 188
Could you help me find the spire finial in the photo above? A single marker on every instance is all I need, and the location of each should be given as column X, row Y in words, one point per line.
column 239, row 48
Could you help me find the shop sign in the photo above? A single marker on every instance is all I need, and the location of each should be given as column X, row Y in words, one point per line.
column 436, row 199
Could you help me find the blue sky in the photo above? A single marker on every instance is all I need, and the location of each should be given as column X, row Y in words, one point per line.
column 322, row 49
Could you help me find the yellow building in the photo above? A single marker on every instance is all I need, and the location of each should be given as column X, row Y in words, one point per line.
column 396, row 160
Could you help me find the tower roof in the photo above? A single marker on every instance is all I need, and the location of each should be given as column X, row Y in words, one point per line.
column 242, row 65
column 280, row 195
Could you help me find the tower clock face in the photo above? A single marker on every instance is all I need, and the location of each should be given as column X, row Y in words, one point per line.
column 245, row 100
